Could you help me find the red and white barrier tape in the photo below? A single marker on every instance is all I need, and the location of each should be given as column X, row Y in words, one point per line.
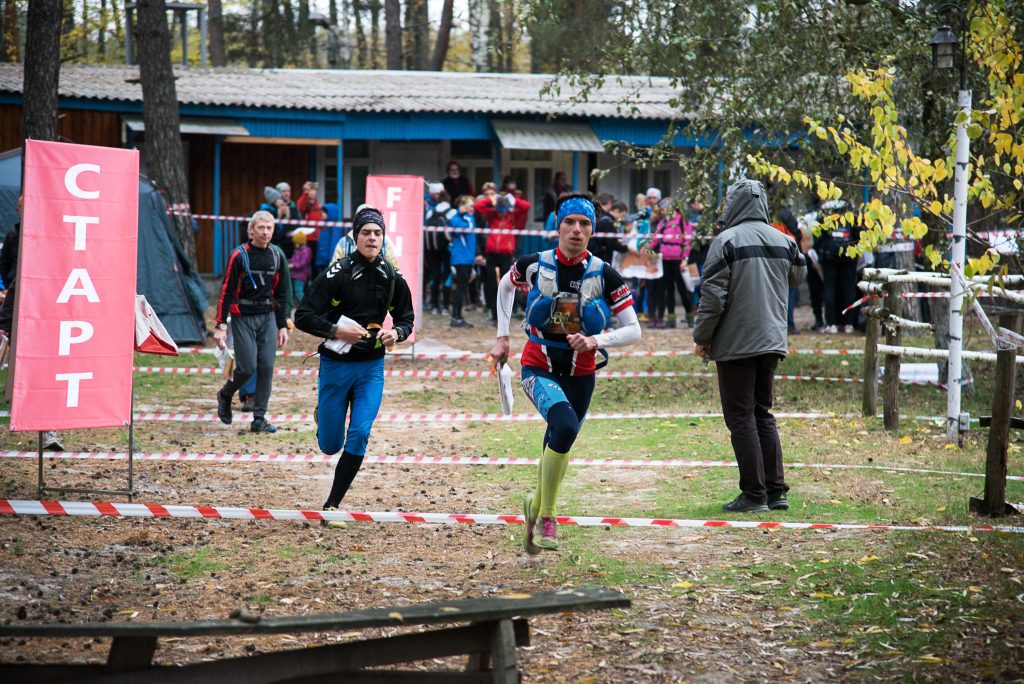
column 485, row 417
column 426, row 229
column 133, row 510
column 460, row 461
column 480, row 356
column 310, row 372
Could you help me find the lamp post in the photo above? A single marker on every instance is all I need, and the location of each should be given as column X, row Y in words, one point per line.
column 944, row 45
column 334, row 46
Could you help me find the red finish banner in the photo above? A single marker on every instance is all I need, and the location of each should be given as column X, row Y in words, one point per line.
column 75, row 327
column 400, row 199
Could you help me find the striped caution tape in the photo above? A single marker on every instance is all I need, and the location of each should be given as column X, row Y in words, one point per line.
column 480, row 356
column 486, row 417
column 312, row 372
column 489, row 418
column 196, row 457
column 133, row 510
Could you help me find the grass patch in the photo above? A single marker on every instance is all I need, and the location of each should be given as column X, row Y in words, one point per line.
column 187, row 565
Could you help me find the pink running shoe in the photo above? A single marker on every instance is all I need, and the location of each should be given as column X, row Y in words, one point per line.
column 548, row 533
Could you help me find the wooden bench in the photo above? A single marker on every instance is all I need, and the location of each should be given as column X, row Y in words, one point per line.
column 496, row 625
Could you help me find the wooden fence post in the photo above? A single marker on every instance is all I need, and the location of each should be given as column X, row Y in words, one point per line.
column 994, row 503
column 870, row 402
column 893, row 336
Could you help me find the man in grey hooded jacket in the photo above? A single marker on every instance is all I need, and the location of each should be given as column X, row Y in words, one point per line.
column 741, row 325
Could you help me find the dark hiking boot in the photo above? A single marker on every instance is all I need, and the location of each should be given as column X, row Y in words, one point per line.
column 261, row 425
column 741, row 504
column 461, row 323
column 248, row 404
column 224, row 408
column 778, row 502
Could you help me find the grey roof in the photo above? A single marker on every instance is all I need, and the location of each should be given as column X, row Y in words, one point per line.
column 515, row 134
column 632, row 97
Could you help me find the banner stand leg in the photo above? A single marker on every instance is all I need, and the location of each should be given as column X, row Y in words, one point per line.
column 130, row 492
column 131, row 448
column 42, row 487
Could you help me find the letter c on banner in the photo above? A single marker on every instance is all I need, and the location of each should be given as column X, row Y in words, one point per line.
column 71, row 181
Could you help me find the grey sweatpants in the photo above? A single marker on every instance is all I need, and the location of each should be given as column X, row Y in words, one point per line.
column 255, row 338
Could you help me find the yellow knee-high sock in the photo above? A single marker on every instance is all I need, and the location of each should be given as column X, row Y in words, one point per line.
column 552, row 470
column 538, row 492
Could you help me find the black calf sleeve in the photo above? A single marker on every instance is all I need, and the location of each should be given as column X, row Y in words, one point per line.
column 344, row 473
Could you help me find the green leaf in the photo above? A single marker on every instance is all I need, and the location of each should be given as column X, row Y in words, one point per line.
column 974, row 131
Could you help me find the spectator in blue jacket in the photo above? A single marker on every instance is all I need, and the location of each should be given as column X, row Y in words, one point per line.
column 464, row 255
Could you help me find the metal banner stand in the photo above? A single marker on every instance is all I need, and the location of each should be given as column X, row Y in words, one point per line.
column 130, row 492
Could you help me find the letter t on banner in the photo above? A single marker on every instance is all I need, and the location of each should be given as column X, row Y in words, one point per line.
column 400, row 200
column 75, row 328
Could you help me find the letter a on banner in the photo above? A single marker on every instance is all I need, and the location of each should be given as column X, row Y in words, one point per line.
column 400, row 200
column 74, row 332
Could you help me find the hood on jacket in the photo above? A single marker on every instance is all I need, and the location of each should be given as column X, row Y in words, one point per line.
column 747, row 200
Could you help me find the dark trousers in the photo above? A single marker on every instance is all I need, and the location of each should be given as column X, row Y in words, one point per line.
column 460, row 286
column 497, row 266
column 840, row 290
column 7, row 311
column 815, row 287
column 255, row 338
column 746, row 389
column 671, row 282
column 437, row 264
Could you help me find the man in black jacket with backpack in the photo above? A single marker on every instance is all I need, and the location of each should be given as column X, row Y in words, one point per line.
column 257, row 295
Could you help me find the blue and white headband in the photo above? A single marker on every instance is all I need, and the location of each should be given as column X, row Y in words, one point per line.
column 577, row 205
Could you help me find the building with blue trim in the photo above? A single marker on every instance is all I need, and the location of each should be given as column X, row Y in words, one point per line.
column 244, row 129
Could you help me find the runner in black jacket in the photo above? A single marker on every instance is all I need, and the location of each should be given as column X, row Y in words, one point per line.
column 363, row 288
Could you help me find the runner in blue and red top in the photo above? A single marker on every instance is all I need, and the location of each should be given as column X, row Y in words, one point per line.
column 573, row 297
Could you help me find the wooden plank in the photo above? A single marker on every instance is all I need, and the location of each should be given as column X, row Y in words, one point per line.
column 504, row 666
column 306, row 664
column 131, row 653
column 396, row 677
column 437, row 612
column 19, row 673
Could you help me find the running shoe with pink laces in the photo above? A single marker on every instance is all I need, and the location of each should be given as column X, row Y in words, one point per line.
column 548, row 533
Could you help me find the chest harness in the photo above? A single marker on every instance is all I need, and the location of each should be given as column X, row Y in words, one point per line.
column 547, row 308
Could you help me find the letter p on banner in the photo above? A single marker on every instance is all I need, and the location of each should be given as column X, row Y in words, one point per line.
column 74, row 329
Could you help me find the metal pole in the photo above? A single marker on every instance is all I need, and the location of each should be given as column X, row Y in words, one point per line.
column 956, row 265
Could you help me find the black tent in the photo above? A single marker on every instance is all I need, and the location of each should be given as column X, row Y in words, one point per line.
column 176, row 293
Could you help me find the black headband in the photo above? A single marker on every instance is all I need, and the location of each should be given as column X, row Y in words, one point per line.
column 367, row 215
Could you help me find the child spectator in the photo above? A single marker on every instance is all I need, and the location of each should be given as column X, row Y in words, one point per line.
column 463, row 256
column 310, row 209
column 300, row 263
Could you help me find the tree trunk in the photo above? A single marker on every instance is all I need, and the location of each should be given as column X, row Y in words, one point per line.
column 479, row 24
column 393, row 33
column 443, row 33
column 83, row 41
column 115, row 12
column 9, row 38
column 494, row 39
column 375, row 34
column 215, row 34
column 101, row 36
column 253, row 39
column 357, row 16
column 42, row 70
column 417, row 28
column 307, row 36
column 332, row 12
column 162, row 151
column 507, row 49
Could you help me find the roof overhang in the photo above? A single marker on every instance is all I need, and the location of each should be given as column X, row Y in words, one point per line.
column 194, row 125
column 542, row 135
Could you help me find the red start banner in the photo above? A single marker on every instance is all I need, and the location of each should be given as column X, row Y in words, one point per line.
column 400, row 200
column 74, row 332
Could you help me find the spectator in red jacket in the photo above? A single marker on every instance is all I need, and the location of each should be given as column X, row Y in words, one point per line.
column 502, row 212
